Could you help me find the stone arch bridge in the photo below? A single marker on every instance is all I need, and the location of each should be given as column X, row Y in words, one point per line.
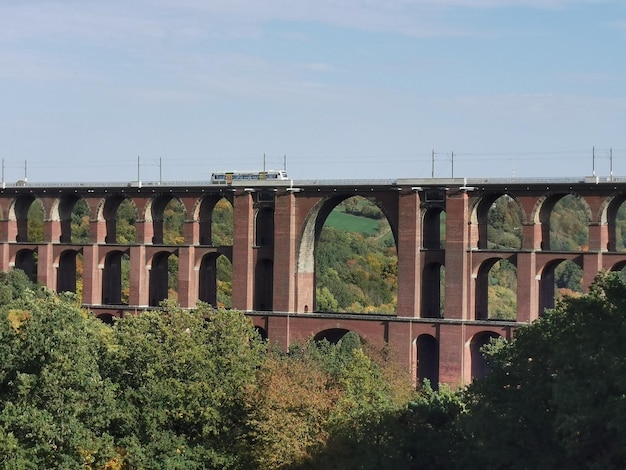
column 440, row 232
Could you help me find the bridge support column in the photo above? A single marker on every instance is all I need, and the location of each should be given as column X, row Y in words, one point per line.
column 187, row 277
column 531, row 236
column 243, row 259
column 527, row 287
column 145, row 232
column 284, row 298
column 97, row 231
column 457, row 244
column 400, row 341
column 139, row 277
column 452, row 364
column 45, row 268
column 278, row 329
column 52, row 231
column 192, row 232
column 92, row 276
column 598, row 237
column 409, row 268
column 592, row 265
column 5, row 257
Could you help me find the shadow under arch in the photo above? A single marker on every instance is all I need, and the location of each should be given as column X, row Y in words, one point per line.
column 613, row 214
column 547, row 282
column 113, row 277
column 262, row 332
column 66, row 272
column 26, row 260
column 479, row 366
column 264, row 226
column 264, row 285
column 619, row 266
column 208, row 279
column 160, row 277
column 107, row 318
column 433, row 231
column 427, row 360
column 433, row 284
column 332, row 335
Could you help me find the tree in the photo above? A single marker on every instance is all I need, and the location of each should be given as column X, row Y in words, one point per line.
column 80, row 222
column 183, row 376
column 290, row 409
column 55, row 405
column 364, row 424
column 554, row 397
column 430, row 435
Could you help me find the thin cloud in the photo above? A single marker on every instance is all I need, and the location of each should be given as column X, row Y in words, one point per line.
column 103, row 22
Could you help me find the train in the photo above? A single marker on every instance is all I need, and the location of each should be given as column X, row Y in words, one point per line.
column 230, row 177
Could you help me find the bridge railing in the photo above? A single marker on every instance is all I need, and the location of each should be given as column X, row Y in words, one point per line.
column 324, row 182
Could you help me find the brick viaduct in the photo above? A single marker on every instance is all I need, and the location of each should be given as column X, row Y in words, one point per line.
column 275, row 231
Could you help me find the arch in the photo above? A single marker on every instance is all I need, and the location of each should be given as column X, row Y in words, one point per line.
column 479, row 366
column 332, row 335
column 215, row 280
column 345, row 283
column 492, row 215
column 215, row 220
column 28, row 212
column 207, row 291
column 314, row 222
column 119, row 214
column 613, row 214
column 548, row 284
column 618, row 266
column 66, row 272
column 160, row 281
column 488, row 292
column 167, row 214
column 427, row 360
column 113, row 278
column 264, row 285
column 543, row 212
column 62, row 211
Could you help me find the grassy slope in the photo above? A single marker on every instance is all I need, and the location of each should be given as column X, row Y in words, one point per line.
column 352, row 223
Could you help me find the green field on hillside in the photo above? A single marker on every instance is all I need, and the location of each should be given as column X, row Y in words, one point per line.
column 352, row 223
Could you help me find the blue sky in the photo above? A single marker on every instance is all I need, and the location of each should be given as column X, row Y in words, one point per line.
column 175, row 89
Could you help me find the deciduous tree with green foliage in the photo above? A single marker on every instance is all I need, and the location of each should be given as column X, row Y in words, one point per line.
column 182, row 377
column 555, row 395
column 55, row 404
